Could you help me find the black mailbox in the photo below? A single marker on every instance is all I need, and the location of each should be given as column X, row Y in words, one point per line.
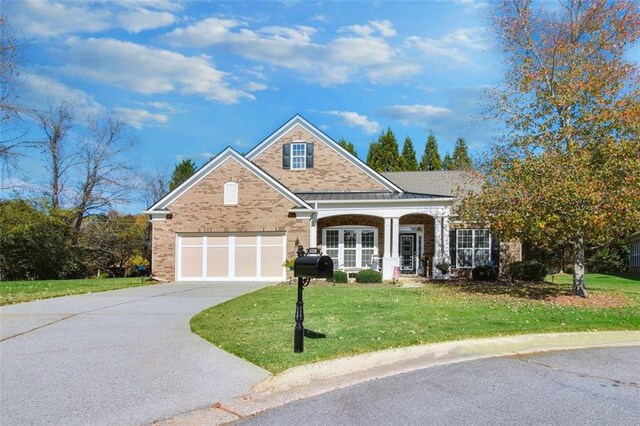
column 313, row 267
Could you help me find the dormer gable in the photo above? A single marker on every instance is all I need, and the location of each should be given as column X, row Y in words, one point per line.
column 304, row 159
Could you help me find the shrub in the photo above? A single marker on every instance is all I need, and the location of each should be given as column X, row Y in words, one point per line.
column 443, row 267
column 368, row 276
column 485, row 273
column 527, row 271
column 340, row 277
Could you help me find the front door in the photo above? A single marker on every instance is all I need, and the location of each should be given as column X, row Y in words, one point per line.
column 407, row 253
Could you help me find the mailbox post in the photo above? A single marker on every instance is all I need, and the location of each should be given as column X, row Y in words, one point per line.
column 305, row 268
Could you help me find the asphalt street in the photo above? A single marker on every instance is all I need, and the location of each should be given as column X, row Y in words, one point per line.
column 118, row 357
column 578, row 387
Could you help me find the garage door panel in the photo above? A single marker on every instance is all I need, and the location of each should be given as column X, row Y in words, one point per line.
column 242, row 240
column 217, row 262
column 191, row 240
column 272, row 240
column 271, row 261
column 246, row 262
column 216, row 240
column 192, row 261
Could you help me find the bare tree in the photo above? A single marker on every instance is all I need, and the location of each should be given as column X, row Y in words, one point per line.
column 11, row 47
column 106, row 176
column 56, row 122
column 154, row 186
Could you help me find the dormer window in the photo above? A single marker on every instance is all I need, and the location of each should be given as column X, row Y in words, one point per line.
column 230, row 194
column 297, row 156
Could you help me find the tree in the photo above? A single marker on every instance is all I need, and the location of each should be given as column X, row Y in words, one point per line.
column 348, row 146
column 106, row 176
column 383, row 155
column 11, row 47
column 114, row 243
column 461, row 160
column 409, row 156
column 35, row 244
column 568, row 169
column 56, row 122
column 447, row 164
column 431, row 158
column 181, row 172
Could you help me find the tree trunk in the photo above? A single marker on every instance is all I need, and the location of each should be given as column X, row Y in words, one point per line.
column 579, row 288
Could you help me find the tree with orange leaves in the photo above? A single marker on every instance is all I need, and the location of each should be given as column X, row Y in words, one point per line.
column 567, row 170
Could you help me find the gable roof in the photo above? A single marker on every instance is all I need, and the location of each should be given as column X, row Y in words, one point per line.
column 298, row 120
column 214, row 163
column 437, row 182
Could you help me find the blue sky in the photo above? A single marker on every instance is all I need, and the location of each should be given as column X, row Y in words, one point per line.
column 194, row 77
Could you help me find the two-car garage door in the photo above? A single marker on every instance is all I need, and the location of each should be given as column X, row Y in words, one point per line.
column 218, row 257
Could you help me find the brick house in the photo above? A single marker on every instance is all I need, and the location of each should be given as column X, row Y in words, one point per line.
column 239, row 217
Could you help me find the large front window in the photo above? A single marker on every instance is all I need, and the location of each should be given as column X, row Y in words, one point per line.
column 298, row 155
column 473, row 247
column 351, row 247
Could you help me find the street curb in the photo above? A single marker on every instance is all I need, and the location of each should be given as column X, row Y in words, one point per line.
column 325, row 376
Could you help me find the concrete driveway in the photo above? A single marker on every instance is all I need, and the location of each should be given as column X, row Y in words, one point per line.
column 118, row 357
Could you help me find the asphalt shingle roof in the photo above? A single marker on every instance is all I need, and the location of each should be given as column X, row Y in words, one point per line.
column 441, row 182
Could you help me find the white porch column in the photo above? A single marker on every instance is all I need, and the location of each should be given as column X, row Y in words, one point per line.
column 387, row 237
column 391, row 237
column 395, row 252
column 313, row 230
column 441, row 255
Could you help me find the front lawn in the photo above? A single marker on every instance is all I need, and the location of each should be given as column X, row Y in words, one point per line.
column 359, row 318
column 26, row 291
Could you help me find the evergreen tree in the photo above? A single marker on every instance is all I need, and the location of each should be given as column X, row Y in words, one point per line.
column 182, row 172
column 348, row 146
column 461, row 160
column 447, row 164
column 409, row 156
column 431, row 158
column 383, row 155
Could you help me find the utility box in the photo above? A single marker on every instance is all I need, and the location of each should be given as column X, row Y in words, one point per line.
column 313, row 267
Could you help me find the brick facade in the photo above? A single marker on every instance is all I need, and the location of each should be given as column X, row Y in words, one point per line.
column 260, row 208
column 331, row 171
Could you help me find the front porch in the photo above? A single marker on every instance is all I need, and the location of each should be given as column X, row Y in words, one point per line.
column 407, row 242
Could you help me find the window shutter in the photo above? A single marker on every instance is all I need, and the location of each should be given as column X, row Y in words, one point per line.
column 309, row 156
column 495, row 250
column 286, row 156
column 452, row 247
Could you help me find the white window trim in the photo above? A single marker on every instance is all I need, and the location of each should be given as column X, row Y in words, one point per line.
column 304, row 156
column 231, row 194
column 472, row 248
column 358, row 229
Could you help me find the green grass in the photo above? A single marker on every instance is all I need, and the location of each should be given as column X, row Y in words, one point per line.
column 359, row 318
column 25, row 291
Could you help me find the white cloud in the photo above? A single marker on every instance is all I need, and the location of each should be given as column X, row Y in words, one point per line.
column 338, row 61
column 319, row 18
column 456, row 49
column 164, row 106
column 143, row 19
column 414, row 114
column 353, row 119
column 43, row 90
column 383, row 28
column 146, row 70
column 255, row 87
column 48, row 18
column 140, row 118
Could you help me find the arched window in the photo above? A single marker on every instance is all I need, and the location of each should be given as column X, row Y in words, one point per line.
column 230, row 194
